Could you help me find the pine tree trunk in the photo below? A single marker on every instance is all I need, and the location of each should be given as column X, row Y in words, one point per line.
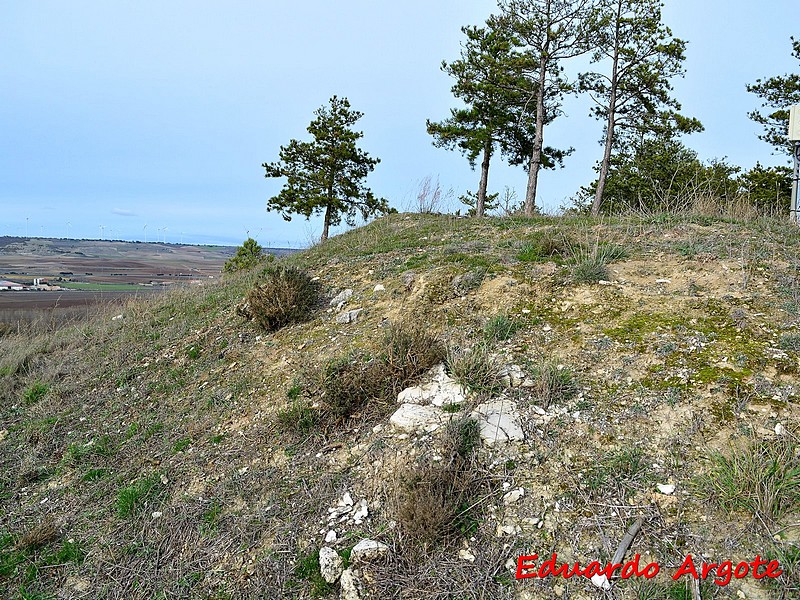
column 604, row 166
column 480, row 203
column 612, row 114
column 538, row 143
column 327, row 223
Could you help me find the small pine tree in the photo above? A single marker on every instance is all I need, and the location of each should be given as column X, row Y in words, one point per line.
column 248, row 255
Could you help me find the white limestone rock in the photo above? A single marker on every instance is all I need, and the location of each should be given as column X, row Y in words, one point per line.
column 499, row 422
column 412, row 417
column 330, row 564
column 368, row 550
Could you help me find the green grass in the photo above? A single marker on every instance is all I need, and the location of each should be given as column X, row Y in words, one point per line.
column 762, row 479
column 500, row 328
column 35, row 392
column 130, row 499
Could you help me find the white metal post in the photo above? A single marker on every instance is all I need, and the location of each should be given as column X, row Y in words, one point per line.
column 794, row 137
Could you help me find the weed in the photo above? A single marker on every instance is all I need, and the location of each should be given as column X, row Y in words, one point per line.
column 35, row 392
column 553, row 383
column 476, row 369
column 286, row 295
column 307, row 568
column 762, row 479
column 210, row 517
column 500, row 328
column 300, row 416
column 181, row 445
column 131, row 498
column 624, row 471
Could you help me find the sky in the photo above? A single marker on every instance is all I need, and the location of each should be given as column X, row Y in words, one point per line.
column 145, row 120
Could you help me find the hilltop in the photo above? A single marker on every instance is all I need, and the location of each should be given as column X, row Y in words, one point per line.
column 638, row 367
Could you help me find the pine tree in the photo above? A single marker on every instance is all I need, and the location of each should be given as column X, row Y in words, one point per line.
column 548, row 32
column 633, row 95
column 483, row 82
column 778, row 94
column 327, row 174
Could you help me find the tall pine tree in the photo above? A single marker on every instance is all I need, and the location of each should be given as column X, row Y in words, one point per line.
column 549, row 32
column 484, row 82
column 327, row 174
column 632, row 95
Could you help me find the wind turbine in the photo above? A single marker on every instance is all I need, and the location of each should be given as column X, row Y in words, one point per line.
column 145, row 233
column 69, row 227
column 102, row 227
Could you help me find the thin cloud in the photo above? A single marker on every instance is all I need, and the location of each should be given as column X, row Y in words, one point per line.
column 124, row 212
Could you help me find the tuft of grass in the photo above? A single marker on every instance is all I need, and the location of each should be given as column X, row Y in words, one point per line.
column 35, row 392
column 554, row 383
column 285, row 295
column 476, row 369
column 181, row 445
column 590, row 263
column 500, row 328
column 131, row 498
column 762, row 479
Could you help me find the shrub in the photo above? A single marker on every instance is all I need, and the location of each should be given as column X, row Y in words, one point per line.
column 286, row 295
column 250, row 254
column 348, row 384
column 437, row 501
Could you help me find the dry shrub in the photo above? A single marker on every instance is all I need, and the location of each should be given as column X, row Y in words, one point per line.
column 286, row 295
column 41, row 535
column 436, row 501
column 351, row 384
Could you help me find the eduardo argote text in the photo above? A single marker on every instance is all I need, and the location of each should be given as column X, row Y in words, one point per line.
column 721, row 572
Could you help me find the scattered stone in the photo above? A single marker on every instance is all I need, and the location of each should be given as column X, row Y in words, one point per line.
column 499, row 422
column 368, row 550
column 330, row 564
column 330, row 537
column 347, row 500
column 466, row 554
column 513, row 376
column 411, row 417
column 513, row 496
column 351, row 316
column 118, row 318
column 666, row 488
column 341, row 298
column 441, row 390
column 379, row 288
column 779, row 430
column 361, row 512
column 601, row 581
column 350, row 585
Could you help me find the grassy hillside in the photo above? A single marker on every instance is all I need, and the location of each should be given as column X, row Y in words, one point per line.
column 182, row 452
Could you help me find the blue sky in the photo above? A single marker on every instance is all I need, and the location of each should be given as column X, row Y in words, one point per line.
column 152, row 119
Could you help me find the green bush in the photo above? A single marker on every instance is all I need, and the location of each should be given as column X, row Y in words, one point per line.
column 286, row 295
column 249, row 255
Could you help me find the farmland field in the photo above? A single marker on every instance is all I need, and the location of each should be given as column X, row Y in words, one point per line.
column 93, row 273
